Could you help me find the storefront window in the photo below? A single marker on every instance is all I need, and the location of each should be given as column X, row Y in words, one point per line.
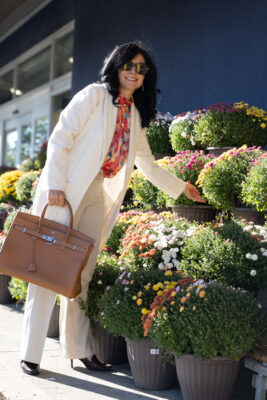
column 11, row 141
column 6, row 87
column 40, row 134
column 25, row 148
column 34, row 72
column 63, row 55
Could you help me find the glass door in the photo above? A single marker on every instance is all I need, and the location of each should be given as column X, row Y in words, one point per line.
column 11, row 147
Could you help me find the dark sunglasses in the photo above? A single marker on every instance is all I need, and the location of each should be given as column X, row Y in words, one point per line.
column 140, row 68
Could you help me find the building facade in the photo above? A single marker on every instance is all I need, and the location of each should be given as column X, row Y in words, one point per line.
column 206, row 52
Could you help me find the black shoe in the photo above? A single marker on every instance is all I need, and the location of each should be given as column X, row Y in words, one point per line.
column 94, row 364
column 29, row 368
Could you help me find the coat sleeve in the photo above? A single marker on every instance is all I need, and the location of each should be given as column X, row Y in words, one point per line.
column 160, row 177
column 72, row 120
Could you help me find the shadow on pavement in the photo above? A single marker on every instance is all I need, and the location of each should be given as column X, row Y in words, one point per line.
column 103, row 386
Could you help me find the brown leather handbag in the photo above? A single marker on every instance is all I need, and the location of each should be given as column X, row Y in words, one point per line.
column 47, row 253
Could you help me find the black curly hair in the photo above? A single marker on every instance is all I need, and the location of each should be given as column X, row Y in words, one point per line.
column 144, row 100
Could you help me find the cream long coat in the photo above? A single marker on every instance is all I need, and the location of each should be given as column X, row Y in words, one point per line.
column 76, row 151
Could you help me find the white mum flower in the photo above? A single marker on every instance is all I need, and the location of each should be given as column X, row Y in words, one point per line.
column 166, row 259
column 265, row 253
column 169, row 265
column 152, row 237
column 249, row 256
column 161, row 266
column 144, row 240
column 176, row 263
column 184, row 134
column 253, row 272
column 254, row 257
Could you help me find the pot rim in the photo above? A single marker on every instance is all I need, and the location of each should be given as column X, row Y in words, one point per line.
column 191, row 356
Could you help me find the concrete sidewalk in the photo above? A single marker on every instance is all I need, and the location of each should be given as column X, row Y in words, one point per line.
column 58, row 381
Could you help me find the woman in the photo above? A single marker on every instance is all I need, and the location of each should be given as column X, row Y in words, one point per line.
column 91, row 154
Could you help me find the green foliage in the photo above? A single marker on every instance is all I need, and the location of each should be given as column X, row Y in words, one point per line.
column 114, row 240
column 9, row 220
column 7, row 186
column 18, row 289
column 182, row 135
column 229, row 126
column 144, row 192
column 217, row 320
column 254, row 188
column 121, row 314
column 5, row 209
column 158, row 137
column 27, row 165
column 221, row 179
column 221, row 252
column 106, row 272
column 24, row 186
column 185, row 165
column 40, row 159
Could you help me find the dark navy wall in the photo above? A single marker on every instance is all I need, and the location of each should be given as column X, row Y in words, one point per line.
column 206, row 50
column 51, row 18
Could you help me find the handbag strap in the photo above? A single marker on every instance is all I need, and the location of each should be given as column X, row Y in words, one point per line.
column 49, row 239
column 71, row 219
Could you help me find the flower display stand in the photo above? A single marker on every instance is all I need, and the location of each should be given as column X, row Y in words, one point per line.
column 107, row 347
column 198, row 213
column 206, row 379
column 150, row 371
column 257, row 362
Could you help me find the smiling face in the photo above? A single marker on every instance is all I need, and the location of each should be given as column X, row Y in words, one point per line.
column 131, row 80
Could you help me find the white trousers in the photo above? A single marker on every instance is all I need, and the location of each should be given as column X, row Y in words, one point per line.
column 73, row 324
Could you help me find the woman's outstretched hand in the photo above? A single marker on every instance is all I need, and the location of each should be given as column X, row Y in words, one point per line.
column 56, row 198
column 192, row 193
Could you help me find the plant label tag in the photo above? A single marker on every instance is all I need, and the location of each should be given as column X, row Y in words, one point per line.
column 154, row 351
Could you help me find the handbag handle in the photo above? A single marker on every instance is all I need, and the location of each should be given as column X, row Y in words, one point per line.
column 71, row 219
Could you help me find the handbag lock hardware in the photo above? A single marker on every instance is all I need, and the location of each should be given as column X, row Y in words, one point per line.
column 50, row 239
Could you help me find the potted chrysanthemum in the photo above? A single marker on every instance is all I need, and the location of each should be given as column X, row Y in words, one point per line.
column 221, row 179
column 187, row 166
column 234, row 253
column 209, row 327
column 107, row 347
column 123, row 305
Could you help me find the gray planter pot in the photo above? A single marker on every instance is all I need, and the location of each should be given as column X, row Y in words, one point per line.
column 249, row 215
column 107, row 347
column 53, row 330
column 159, row 156
column 218, row 150
column 5, row 296
column 148, row 368
column 197, row 213
column 211, row 379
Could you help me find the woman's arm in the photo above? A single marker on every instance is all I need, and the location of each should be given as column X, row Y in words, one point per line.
column 160, row 177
